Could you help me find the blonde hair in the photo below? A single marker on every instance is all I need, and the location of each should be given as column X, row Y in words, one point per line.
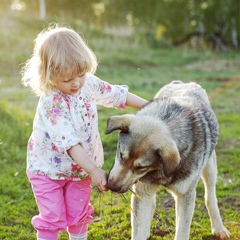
column 57, row 50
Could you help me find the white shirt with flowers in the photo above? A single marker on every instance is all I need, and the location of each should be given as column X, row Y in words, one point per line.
column 62, row 121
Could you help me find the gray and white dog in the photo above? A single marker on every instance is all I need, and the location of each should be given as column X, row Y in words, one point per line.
column 170, row 142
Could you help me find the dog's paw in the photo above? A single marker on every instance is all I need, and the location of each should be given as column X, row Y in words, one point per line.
column 222, row 233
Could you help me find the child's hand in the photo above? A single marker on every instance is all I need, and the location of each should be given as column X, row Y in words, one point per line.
column 99, row 178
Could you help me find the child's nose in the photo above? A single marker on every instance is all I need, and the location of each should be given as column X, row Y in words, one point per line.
column 76, row 82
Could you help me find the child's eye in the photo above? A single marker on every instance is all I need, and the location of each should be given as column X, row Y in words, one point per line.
column 68, row 80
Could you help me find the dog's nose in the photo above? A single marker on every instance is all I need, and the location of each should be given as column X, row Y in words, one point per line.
column 114, row 187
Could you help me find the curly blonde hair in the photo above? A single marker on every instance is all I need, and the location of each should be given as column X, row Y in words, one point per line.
column 57, row 50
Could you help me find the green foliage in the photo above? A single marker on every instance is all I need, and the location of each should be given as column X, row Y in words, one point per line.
column 123, row 60
column 215, row 22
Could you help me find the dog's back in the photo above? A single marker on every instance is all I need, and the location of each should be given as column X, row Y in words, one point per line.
column 186, row 110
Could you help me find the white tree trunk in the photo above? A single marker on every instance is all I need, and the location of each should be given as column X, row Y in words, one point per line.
column 234, row 34
column 42, row 9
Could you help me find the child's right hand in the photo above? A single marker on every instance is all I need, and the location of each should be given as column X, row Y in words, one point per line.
column 99, row 178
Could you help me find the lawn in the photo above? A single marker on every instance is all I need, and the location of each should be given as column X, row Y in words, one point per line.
column 129, row 61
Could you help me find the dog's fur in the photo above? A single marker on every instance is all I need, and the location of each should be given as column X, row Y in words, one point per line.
column 170, row 142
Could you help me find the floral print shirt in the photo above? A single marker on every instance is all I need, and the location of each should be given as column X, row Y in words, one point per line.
column 62, row 121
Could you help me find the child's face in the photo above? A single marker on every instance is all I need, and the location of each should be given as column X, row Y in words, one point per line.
column 70, row 86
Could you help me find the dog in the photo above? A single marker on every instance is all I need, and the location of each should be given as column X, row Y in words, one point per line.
column 170, row 142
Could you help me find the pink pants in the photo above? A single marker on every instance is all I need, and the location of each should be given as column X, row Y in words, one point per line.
column 62, row 204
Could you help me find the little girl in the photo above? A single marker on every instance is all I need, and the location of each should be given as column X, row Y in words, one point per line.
column 65, row 152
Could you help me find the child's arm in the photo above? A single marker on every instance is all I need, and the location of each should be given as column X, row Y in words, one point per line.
column 135, row 101
column 99, row 177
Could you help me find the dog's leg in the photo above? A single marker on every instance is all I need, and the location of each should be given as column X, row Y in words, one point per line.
column 209, row 176
column 184, row 204
column 143, row 205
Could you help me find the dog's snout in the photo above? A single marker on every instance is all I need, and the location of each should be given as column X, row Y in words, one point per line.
column 114, row 187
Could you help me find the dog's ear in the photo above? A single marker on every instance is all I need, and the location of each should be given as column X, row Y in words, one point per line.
column 120, row 122
column 170, row 156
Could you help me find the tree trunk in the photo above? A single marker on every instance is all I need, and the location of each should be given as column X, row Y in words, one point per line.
column 42, row 9
column 234, row 34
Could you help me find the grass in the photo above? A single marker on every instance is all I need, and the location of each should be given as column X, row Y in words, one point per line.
column 122, row 60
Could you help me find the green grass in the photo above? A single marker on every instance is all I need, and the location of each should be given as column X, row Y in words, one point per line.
column 122, row 60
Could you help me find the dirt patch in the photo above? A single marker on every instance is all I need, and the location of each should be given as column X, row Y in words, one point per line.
column 229, row 83
column 229, row 143
column 215, row 65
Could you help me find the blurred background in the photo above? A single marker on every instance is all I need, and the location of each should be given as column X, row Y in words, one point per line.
column 142, row 38
column 196, row 23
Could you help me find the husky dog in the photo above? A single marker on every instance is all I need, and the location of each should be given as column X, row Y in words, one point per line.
column 170, row 142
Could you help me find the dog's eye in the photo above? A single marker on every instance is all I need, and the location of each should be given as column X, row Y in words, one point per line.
column 140, row 169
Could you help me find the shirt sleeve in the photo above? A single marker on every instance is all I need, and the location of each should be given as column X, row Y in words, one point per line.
column 55, row 119
column 106, row 94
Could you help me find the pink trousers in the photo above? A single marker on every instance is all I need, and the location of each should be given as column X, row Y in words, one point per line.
column 62, row 205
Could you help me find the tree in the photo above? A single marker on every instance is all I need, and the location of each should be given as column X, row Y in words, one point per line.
column 215, row 23
column 42, row 9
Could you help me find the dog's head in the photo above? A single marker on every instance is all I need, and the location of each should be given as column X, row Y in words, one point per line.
column 144, row 145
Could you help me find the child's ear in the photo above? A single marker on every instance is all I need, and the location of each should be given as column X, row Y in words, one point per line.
column 52, row 83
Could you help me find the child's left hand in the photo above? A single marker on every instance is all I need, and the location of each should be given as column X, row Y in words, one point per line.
column 99, row 178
